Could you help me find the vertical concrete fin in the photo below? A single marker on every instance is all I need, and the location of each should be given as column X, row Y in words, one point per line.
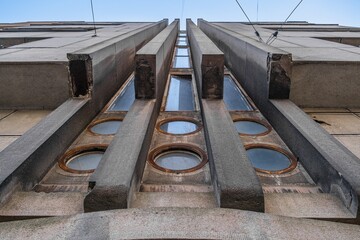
column 208, row 63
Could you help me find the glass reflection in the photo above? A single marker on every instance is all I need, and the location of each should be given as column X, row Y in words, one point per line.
column 233, row 97
column 126, row 98
column 180, row 96
column 85, row 161
column 108, row 127
column 182, row 42
column 182, row 62
column 250, row 127
column 178, row 127
column 177, row 160
column 268, row 159
column 182, row 52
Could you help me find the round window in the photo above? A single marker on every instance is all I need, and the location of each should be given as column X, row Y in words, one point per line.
column 248, row 127
column 85, row 161
column 268, row 160
column 106, row 127
column 179, row 127
column 82, row 159
column 177, row 158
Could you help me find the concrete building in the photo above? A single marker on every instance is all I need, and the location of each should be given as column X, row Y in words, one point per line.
column 146, row 131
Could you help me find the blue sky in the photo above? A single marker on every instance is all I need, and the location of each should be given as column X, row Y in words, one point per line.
column 344, row 12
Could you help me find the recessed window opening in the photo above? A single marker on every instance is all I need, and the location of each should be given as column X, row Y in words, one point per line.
column 182, row 34
column 181, row 62
column 178, row 127
column 82, row 159
column 182, row 52
column 106, row 127
column 177, row 158
column 180, row 95
column 126, row 98
column 234, row 99
column 251, row 127
column 267, row 159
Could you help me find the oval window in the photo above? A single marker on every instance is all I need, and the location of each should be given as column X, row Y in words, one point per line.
column 179, row 127
column 106, row 127
column 250, row 127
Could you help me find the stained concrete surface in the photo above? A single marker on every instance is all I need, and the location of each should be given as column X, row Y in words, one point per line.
column 20, row 121
column 306, row 205
column 176, row 223
column 43, row 204
column 6, row 141
column 351, row 142
column 14, row 124
column 338, row 123
column 342, row 123
column 174, row 199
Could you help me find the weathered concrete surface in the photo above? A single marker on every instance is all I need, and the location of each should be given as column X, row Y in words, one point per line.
column 236, row 184
column 21, row 121
column 99, row 68
column 208, row 63
column 325, row 61
column 23, row 204
column 118, row 175
column 326, row 84
column 330, row 165
column 306, row 205
column 338, row 123
column 35, row 75
column 179, row 223
column 25, row 161
column 173, row 199
column 124, row 160
column 261, row 68
column 153, row 63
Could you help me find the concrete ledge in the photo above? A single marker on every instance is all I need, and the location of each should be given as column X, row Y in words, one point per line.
column 153, row 63
column 329, row 163
column 120, row 166
column 176, row 223
column 25, row 161
column 208, row 63
column 235, row 181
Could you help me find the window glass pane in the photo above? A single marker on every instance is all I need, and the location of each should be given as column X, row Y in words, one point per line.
column 182, row 34
column 233, row 97
column 182, row 62
column 180, row 96
column 177, row 160
column 249, row 127
column 178, row 127
column 108, row 127
column 85, row 161
column 126, row 98
column 182, row 42
column 182, row 52
column 268, row 159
